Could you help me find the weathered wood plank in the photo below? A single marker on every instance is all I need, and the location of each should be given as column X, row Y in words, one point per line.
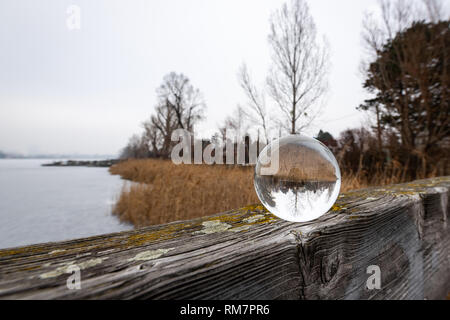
column 251, row 254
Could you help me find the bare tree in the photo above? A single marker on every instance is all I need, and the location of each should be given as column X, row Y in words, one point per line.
column 180, row 106
column 158, row 130
column 177, row 93
column 236, row 124
column 135, row 148
column 297, row 79
column 434, row 10
column 256, row 101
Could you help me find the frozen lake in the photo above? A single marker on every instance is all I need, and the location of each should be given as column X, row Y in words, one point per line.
column 41, row 204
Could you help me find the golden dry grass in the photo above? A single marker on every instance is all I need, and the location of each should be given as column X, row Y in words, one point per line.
column 168, row 192
column 165, row 192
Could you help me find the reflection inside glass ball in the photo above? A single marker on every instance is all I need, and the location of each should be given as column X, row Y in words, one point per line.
column 297, row 178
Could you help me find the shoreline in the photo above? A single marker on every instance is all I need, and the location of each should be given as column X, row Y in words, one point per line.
column 83, row 163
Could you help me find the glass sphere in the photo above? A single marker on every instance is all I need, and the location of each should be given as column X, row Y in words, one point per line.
column 297, row 178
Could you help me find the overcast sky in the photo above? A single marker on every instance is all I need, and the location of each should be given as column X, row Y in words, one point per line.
column 87, row 90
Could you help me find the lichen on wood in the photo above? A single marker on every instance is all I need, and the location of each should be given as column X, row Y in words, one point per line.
column 249, row 253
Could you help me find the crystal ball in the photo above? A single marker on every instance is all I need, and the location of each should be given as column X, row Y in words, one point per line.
column 297, row 178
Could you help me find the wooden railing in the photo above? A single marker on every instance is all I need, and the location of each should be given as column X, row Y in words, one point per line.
column 248, row 253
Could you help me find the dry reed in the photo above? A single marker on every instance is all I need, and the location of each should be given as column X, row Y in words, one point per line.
column 163, row 192
column 167, row 192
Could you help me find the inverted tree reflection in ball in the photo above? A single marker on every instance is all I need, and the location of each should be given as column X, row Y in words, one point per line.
column 307, row 180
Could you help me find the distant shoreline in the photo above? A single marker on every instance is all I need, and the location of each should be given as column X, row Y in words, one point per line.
column 5, row 156
column 83, row 163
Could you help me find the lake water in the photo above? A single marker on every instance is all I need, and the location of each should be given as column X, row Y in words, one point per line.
column 42, row 204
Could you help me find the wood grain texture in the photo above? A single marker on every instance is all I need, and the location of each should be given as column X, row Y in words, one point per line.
column 251, row 254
